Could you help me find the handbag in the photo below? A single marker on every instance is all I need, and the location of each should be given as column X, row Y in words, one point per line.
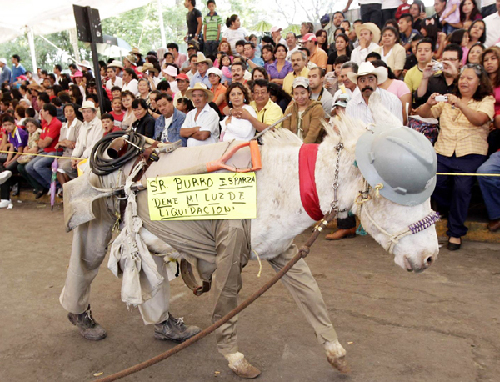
column 427, row 126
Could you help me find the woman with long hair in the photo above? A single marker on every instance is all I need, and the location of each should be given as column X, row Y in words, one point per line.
column 491, row 63
column 475, row 53
column 322, row 37
column 464, row 120
column 343, row 48
column 468, row 13
column 268, row 55
column 477, row 33
column 224, row 47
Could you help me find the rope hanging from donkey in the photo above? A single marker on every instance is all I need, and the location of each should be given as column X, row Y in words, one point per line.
column 302, row 253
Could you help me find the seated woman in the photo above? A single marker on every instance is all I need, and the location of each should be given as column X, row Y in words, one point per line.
column 259, row 73
column 234, row 127
column 391, row 51
column 491, row 63
column 268, row 55
column 461, row 145
column 281, row 67
column 307, row 115
column 475, row 53
column 67, row 141
column 468, row 13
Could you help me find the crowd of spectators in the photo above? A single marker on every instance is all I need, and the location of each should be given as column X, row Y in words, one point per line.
column 231, row 85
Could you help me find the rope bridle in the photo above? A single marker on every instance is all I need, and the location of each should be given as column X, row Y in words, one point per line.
column 362, row 200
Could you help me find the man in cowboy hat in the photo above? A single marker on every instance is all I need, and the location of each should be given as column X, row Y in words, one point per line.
column 202, row 64
column 201, row 125
column 368, row 37
column 90, row 132
column 367, row 78
column 112, row 72
column 152, row 74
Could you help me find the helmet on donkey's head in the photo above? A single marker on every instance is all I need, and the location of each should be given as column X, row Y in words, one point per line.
column 402, row 160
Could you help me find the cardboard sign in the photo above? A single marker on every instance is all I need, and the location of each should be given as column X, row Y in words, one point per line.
column 204, row 196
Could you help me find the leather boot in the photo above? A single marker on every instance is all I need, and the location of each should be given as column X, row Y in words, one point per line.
column 174, row 329
column 494, row 225
column 342, row 234
column 89, row 328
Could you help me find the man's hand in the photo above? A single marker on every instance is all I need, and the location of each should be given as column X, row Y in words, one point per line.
column 74, row 162
column 427, row 72
column 363, row 43
column 243, row 114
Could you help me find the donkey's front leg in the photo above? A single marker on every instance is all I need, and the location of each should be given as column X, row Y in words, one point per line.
column 232, row 244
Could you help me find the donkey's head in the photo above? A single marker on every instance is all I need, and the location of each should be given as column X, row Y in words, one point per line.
column 399, row 166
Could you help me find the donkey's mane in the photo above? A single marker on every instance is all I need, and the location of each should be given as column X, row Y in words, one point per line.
column 280, row 138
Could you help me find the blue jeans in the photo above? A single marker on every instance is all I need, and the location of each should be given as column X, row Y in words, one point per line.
column 453, row 193
column 490, row 186
column 40, row 169
column 447, row 28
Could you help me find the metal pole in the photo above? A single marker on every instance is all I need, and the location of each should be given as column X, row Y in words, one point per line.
column 162, row 27
column 31, row 43
column 74, row 43
column 95, row 62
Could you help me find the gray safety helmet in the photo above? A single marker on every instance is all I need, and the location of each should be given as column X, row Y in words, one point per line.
column 400, row 159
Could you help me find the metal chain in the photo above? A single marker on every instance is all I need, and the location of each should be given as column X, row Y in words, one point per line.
column 335, row 185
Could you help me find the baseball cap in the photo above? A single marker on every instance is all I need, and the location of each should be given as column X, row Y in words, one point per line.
column 182, row 76
column 276, row 29
column 342, row 100
column 3, row 61
column 300, row 81
column 309, row 37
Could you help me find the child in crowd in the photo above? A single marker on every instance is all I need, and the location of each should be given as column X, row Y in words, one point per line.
column 225, row 66
column 451, row 15
column 108, row 124
column 184, row 105
column 117, row 111
column 116, row 92
column 34, row 132
column 403, row 8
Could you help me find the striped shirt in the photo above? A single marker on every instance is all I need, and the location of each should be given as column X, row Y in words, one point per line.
column 212, row 22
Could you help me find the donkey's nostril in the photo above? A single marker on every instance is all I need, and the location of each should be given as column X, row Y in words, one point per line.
column 429, row 260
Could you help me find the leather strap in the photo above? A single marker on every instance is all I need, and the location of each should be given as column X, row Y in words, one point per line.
column 190, row 280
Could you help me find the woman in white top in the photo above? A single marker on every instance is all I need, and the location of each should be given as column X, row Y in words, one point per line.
column 391, row 51
column 368, row 38
column 234, row 32
column 237, row 128
column 129, row 118
column 67, row 142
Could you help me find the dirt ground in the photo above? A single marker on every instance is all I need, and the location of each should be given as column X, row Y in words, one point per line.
column 441, row 325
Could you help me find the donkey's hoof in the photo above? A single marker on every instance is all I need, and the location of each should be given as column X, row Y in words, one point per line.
column 339, row 363
column 243, row 369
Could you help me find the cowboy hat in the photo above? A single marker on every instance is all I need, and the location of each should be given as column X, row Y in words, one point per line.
column 132, row 59
column 170, row 70
column 367, row 68
column 202, row 87
column 85, row 64
column 115, row 64
column 149, row 67
column 87, row 105
column 135, row 51
column 78, row 74
column 201, row 58
column 372, row 28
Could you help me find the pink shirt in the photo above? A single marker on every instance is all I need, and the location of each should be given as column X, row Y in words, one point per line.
column 496, row 94
column 398, row 88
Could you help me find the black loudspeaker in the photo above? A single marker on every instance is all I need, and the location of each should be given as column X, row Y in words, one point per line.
column 88, row 24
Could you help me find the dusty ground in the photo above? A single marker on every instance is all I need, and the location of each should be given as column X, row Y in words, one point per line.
column 442, row 325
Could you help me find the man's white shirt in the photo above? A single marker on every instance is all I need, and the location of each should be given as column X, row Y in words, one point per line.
column 357, row 107
column 208, row 120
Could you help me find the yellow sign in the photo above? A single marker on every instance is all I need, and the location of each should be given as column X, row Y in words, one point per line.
column 204, row 196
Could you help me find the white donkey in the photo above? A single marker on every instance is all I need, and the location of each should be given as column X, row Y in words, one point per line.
column 224, row 246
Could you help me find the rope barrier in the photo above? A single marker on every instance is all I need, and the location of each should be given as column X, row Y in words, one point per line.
column 42, row 155
column 467, row 174
column 302, row 253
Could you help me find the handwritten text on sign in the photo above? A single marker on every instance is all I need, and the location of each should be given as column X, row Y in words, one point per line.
column 207, row 196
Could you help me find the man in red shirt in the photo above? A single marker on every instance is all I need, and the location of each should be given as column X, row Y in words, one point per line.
column 40, row 167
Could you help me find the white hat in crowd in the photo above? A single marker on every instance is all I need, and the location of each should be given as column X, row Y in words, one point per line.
column 367, row 68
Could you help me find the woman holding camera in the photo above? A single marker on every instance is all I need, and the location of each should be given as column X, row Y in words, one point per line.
column 461, row 146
